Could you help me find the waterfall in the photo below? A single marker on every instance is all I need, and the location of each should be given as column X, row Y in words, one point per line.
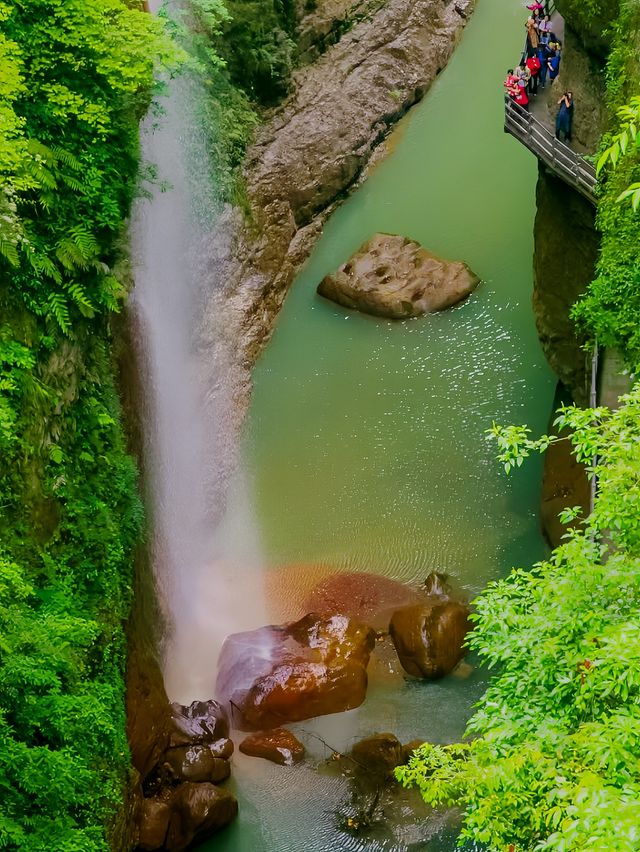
column 202, row 540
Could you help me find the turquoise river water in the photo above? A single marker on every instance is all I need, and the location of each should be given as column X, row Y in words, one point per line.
column 365, row 445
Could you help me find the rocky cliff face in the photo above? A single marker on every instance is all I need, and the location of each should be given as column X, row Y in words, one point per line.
column 566, row 240
column 566, row 247
column 312, row 151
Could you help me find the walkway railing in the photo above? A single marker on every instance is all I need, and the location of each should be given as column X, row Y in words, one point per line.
column 568, row 165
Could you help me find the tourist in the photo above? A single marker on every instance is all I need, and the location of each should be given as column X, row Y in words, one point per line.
column 510, row 82
column 543, row 56
column 544, row 29
column 553, row 64
column 520, row 96
column 532, row 34
column 554, row 43
column 533, row 64
column 564, row 118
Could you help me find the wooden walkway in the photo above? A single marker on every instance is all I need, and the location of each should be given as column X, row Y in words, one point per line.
column 556, row 155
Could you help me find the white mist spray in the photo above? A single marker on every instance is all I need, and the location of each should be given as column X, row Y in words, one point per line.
column 203, row 543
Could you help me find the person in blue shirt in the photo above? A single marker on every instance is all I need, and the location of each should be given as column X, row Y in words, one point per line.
column 565, row 116
column 543, row 56
column 553, row 64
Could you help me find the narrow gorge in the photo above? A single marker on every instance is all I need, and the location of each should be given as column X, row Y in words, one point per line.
column 319, row 511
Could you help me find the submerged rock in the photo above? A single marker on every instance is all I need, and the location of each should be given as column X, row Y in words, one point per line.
column 378, row 754
column 286, row 673
column 278, row 745
column 368, row 597
column 429, row 637
column 393, row 276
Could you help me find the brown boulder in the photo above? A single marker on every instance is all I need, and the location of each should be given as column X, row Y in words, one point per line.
column 286, row 673
column 199, row 811
column 379, row 754
column 184, row 815
column 198, row 763
column 429, row 637
column 153, row 820
column 395, row 277
column 277, row 745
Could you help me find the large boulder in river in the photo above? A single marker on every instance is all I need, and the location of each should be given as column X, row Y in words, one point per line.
column 429, row 637
column 285, row 673
column 395, row 277
column 278, row 745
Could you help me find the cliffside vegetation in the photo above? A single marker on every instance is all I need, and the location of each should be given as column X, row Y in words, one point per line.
column 610, row 310
column 243, row 56
column 552, row 758
column 76, row 77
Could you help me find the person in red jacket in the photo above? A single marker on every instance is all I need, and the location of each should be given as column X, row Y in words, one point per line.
column 520, row 96
column 533, row 64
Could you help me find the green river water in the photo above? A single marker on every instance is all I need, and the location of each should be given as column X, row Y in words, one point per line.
column 365, row 441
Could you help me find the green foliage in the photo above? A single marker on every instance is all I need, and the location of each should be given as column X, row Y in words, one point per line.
column 591, row 18
column 610, row 309
column 626, row 140
column 75, row 76
column 553, row 759
column 77, row 80
column 257, row 46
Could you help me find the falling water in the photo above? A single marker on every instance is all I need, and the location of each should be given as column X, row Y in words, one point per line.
column 202, row 536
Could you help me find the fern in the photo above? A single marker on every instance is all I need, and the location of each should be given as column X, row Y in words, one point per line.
column 58, row 309
column 43, row 265
column 81, row 299
column 9, row 251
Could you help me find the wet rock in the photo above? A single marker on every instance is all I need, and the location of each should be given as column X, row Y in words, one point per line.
column 367, row 597
column 154, row 817
column 201, row 722
column 378, row 754
column 198, row 763
column 278, row 745
column 285, row 673
column 429, row 637
column 325, row 23
column 436, row 583
column 181, row 816
column 393, row 276
column 172, row 747
column 148, row 712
